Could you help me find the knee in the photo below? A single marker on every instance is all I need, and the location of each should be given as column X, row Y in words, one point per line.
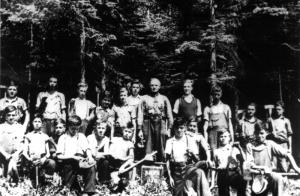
column 51, row 164
column 199, row 172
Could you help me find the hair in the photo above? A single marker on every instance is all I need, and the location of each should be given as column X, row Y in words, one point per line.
column 191, row 120
column 179, row 122
column 216, row 89
column 52, row 76
column 279, row 103
column 129, row 125
column 74, row 120
column 12, row 83
column 253, row 104
column 151, row 79
column 258, row 127
column 59, row 121
column 123, row 89
column 9, row 109
column 136, row 81
column 38, row 115
column 188, row 81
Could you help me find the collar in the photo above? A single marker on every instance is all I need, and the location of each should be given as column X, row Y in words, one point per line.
column 249, row 120
column 137, row 97
column 226, row 147
column 184, row 96
column 11, row 100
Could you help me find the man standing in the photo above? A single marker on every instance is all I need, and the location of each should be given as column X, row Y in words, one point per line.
column 216, row 117
column 247, row 124
column 188, row 106
column 155, row 120
column 51, row 104
column 12, row 99
column 82, row 107
column 135, row 98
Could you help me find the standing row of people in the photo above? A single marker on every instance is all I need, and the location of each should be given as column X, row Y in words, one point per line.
column 130, row 128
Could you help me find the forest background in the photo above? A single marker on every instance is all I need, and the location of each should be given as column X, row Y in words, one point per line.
column 250, row 47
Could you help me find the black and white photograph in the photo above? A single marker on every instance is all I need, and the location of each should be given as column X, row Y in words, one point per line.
column 150, row 98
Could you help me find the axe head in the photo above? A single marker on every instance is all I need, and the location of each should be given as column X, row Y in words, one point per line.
column 268, row 107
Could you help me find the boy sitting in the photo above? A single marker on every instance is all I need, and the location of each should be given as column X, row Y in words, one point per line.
column 228, row 160
column 198, row 139
column 72, row 148
column 121, row 155
column 264, row 151
column 185, row 179
column 36, row 149
column 99, row 145
column 11, row 143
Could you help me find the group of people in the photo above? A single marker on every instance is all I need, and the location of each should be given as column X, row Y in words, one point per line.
column 96, row 141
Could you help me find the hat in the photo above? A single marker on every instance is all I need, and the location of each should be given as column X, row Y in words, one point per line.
column 85, row 163
column 259, row 184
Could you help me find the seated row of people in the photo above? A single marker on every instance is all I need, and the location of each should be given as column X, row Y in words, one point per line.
column 72, row 154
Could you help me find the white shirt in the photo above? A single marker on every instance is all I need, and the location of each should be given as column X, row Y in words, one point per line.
column 82, row 107
column 37, row 143
column 120, row 148
column 11, row 136
column 178, row 148
column 71, row 145
column 94, row 146
column 55, row 103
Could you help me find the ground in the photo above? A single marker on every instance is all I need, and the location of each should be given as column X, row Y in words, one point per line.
column 134, row 189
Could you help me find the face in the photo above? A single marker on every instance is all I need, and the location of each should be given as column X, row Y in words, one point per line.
column 135, row 89
column 123, row 96
column 73, row 130
column 187, row 88
column 127, row 133
column 279, row 110
column 11, row 117
column 37, row 123
column 224, row 138
column 180, row 131
column 251, row 110
column 261, row 136
column 60, row 129
column 154, row 85
column 101, row 129
column 216, row 96
column 12, row 91
column 105, row 103
column 52, row 83
column 193, row 127
column 82, row 92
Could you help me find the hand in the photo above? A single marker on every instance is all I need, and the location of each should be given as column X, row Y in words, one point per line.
column 43, row 160
column 169, row 132
column 191, row 192
column 171, row 181
column 77, row 158
column 133, row 140
column 141, row 134
column 90, row 159
column 210, row 164
column 36, row 162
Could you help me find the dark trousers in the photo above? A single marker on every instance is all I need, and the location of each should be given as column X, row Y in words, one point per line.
column 47, row 168
column 70, row 170
column 49, row 127
column 233, row 179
